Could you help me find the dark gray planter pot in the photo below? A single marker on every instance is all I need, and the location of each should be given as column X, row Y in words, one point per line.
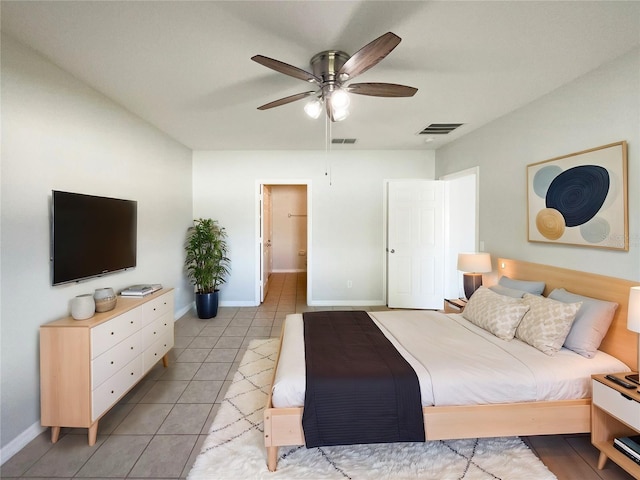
column 207, row 304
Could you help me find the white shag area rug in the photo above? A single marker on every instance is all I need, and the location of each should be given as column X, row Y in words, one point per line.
column 234, row 448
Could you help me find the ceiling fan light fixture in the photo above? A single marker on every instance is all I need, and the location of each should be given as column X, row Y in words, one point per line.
column 340, row 114
column 313, row 108
column 340, row 99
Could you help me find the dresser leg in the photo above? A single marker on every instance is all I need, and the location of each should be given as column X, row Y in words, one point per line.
column 93, row 434
column 602, row 460
column 55, row 434
column 165, row 360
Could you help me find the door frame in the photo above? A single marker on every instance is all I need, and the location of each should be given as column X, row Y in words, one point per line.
column 467, row 220
column 265, row 213
column 258, row 244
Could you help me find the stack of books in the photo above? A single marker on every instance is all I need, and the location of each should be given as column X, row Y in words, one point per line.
column 630, row 446
column 141, row 290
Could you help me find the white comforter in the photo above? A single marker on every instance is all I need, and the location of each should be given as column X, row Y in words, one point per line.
column 457, row 363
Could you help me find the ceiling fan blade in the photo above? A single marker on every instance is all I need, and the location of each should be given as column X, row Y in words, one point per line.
column 369, row 55
column 285, row 100
column 382, row 89
column 285, row 68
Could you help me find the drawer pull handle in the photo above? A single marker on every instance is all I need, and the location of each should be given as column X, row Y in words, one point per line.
column 111, row 391
column 131, row 322
column 111, row 362
column 112, row 333
column 131, row 373
column 131, row 348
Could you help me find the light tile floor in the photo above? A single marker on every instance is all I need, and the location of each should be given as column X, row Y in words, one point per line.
column 157, row 429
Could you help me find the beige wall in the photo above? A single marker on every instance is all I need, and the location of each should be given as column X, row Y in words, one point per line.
column 599, row 108
column 346, row 208
column 58, row 133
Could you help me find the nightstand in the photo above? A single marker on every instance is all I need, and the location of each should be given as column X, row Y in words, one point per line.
column 454, row 305
column 615, row 412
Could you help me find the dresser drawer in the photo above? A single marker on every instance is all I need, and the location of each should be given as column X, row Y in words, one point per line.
column 109, row 334
column 115, row 387
column 152, row 332
column 156, row 351
column 616, row 404
column 158, row 307
column 107, row 364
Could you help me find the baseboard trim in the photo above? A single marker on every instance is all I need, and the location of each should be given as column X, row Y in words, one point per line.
column 346, row 303
column 21, row 441
column 184, row 310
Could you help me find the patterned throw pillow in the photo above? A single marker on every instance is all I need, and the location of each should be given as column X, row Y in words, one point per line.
column 495, row 313
column 547, row 323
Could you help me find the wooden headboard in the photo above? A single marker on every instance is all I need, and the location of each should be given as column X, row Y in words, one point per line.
column 619, row 342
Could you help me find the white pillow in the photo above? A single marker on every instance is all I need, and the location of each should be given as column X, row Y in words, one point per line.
column 495, row 313
column 509, row 292
column 591, row 324
column 547, row 323
column 527, row 285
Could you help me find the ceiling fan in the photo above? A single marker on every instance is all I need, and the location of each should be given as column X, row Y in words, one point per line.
column 332, row 70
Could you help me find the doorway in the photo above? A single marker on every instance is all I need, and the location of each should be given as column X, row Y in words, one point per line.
column 283, row 221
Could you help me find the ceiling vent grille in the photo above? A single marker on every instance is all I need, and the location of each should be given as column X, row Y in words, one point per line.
column 440, row 128
column 346, row 141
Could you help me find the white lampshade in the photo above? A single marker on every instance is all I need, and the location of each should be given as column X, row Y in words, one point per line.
column 313, row 108
column 633, row 312
column 340, row 99
column 474, row 262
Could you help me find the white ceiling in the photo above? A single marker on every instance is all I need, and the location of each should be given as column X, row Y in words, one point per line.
column 184, row 66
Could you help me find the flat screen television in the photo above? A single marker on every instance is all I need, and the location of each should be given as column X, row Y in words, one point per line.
column 91, row 236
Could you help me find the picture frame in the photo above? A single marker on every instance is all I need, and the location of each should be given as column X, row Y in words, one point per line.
column 580, row 199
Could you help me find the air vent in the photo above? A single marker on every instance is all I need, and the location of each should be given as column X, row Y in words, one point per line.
column 349, row 141
column 440, row 128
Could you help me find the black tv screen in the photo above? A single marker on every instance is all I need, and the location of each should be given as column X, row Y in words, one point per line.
column 91, row 236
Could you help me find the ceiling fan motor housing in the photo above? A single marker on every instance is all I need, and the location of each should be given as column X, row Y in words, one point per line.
column 327, row 64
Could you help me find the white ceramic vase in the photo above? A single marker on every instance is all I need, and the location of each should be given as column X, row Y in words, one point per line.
column 83, row 307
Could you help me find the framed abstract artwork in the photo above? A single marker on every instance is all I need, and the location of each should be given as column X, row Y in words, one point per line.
column 580, row 199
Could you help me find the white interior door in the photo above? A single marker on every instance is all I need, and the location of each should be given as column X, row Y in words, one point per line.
column 415, row 244
column 266, row 233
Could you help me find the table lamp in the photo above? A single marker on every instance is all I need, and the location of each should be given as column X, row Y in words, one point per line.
column 473, row 265
column 633, row 320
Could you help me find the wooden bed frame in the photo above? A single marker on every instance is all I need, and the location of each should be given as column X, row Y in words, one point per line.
column 283, row 426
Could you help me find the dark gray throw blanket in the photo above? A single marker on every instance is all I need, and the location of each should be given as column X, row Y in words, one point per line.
column 359, row 387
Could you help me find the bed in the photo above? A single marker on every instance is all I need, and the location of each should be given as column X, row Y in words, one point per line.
column 562, row 405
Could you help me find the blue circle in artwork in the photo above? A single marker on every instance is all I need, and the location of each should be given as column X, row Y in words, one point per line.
column 596, row 230
column 579, row 193
column 543, row 178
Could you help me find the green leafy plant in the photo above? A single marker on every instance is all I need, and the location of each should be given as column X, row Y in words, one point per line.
column 206, row 261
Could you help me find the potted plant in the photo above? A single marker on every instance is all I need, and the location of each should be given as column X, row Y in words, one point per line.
column 207, row 263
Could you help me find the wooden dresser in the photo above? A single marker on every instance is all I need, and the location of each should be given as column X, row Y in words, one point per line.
column 86, row 366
